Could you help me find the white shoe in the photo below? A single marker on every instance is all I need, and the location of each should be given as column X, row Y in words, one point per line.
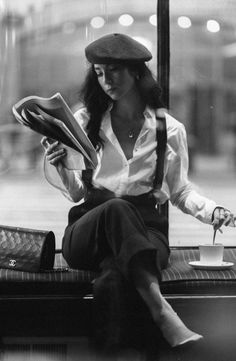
column 174, row 330
column 194, row 338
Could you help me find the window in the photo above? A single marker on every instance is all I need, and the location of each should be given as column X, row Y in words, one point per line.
column 42, row 52
column 202, row 96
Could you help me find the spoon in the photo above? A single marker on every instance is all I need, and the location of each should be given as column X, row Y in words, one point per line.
column 214, row 234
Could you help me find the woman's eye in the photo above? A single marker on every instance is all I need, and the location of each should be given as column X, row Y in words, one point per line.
column 113, row 68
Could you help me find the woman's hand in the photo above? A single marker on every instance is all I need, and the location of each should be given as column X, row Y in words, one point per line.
column 53, row 150
column 222, row 216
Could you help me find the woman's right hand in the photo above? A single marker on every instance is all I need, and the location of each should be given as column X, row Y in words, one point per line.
column 53, row 150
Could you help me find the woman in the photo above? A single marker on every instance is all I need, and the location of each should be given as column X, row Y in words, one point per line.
column 115, row 224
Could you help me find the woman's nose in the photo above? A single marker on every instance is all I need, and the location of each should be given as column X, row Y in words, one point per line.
column 107, row 78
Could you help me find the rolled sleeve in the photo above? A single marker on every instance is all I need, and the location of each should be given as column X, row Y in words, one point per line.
column 182, row 192
column 70, row 184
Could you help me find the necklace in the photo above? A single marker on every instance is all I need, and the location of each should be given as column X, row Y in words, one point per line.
column 131, row 134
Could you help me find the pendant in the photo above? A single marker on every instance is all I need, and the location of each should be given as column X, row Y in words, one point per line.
column 131, row 134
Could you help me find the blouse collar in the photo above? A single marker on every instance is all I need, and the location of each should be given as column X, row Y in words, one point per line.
column 149, row 115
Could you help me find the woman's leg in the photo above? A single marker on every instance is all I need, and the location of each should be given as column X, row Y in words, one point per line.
column 116, row 229
column 144, row 276
column 105, row 239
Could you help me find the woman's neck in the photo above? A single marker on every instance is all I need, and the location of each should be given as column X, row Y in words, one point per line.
column 130, row 107
column 127, row 120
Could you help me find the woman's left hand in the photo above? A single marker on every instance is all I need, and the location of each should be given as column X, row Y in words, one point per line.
column 222, row 216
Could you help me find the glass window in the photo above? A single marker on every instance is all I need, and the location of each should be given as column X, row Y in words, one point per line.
column 202, row 96
column 42, row 52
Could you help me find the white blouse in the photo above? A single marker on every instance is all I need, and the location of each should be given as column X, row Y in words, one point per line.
column 135, row 176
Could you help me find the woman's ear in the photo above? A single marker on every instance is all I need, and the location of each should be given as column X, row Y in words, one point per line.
column 135, row 75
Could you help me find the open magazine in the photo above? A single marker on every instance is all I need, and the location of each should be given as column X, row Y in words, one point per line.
column 53, row 118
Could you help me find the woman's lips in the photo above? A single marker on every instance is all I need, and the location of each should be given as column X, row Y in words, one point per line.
column 111, row 90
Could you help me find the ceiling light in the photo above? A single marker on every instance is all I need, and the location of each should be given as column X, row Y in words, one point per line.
column 153, row 20
column 213, row 26
column 184, row 22
column 126, row 20
column 97, row 22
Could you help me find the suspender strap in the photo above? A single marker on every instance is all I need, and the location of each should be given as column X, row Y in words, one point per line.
column 87, row 175
column 161, row 135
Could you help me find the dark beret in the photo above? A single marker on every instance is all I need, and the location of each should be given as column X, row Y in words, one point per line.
column 116, row 48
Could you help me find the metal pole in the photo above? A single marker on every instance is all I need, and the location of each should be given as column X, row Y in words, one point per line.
column 163, row 48
column 163, row 62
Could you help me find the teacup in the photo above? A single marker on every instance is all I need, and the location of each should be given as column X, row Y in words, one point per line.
column 211, row 253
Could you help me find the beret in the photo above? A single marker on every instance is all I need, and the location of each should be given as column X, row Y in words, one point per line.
column 116, row 48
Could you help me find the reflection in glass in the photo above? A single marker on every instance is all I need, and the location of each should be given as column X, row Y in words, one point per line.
column 42, row 52
column 202, row 96
column 44, row 42
column 202, row 80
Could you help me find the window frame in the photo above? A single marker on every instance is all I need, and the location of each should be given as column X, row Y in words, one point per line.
column 163, row 62
column 163, row 48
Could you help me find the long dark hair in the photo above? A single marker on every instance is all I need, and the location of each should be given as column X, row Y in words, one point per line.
column 97, row 101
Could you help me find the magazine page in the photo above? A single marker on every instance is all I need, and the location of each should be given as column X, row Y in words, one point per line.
column 74, row 144
column 52, row 117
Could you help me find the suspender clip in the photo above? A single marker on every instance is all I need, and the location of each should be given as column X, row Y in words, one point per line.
column 158, row 208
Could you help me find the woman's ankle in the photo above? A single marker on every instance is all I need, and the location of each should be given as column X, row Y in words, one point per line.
column 173, row 329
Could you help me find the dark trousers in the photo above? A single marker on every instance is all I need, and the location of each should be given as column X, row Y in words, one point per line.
column 114, row 229
column 105, row 238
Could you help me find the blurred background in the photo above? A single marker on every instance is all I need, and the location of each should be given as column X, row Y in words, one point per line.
column 42, row 52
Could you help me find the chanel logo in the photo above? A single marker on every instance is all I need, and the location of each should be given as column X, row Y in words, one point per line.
column 12, row 263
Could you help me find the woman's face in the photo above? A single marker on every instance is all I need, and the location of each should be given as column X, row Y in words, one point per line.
column 116, row 80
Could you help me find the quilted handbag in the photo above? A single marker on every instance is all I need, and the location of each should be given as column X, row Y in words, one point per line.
column 26, row 249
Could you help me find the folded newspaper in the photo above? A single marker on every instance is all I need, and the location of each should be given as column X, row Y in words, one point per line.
column 53, row 118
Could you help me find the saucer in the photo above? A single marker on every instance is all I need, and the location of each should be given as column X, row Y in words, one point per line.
column 199, row 265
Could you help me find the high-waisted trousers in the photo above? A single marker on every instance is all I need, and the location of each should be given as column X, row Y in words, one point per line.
column 104, row 237
column 114, row 229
